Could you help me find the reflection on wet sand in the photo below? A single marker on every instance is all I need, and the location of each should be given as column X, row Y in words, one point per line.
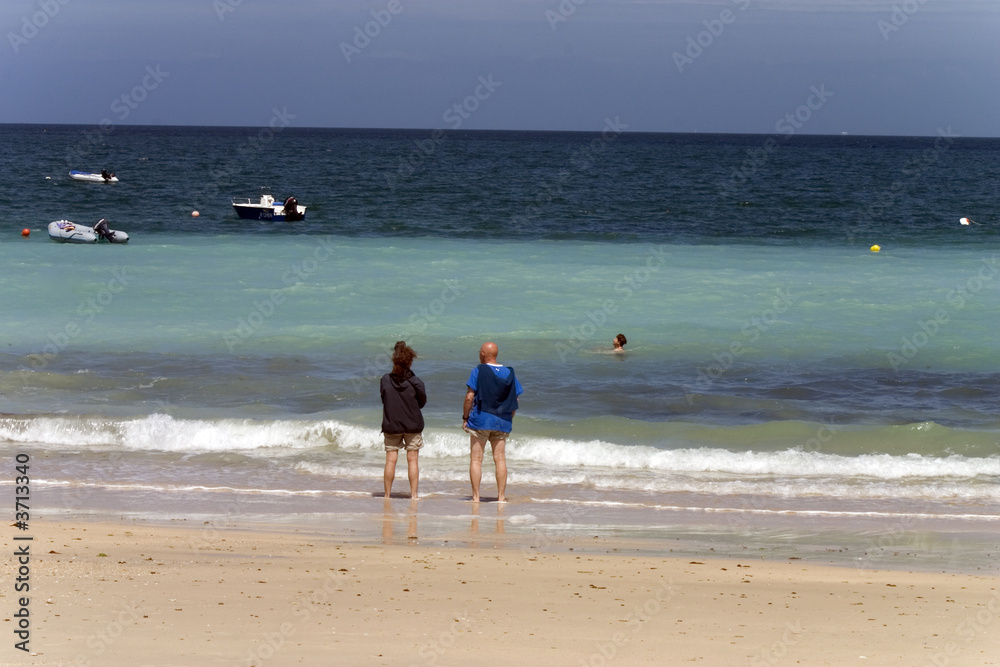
column 393, row 518
column 474, row 525
column 389, row 518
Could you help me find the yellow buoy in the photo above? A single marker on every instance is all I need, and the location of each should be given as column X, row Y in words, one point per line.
column 876, row 248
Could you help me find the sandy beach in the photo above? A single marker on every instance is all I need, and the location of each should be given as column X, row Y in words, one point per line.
column 124, row 592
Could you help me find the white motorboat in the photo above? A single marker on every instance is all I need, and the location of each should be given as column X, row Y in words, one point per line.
column 268, row 209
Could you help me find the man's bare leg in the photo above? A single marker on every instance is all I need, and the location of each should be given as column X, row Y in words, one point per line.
column 413, row 470
column 500, row 461
column 390, row 471
column 476, row 464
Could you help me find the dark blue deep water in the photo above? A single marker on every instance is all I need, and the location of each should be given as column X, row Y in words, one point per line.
column 606, row 187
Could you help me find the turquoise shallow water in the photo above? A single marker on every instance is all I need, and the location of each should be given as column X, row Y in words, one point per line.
column 827, row 332
column 774, row 361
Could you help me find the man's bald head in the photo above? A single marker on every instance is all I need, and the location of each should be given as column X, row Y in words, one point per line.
column 488, row 353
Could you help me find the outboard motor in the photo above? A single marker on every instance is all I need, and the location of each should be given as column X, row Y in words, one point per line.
column 291, row 207
column 101, row 228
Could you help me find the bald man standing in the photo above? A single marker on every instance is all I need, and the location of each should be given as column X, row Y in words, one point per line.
column 488, row 415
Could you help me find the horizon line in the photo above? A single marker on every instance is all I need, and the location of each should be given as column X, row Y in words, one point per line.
column 485, row 130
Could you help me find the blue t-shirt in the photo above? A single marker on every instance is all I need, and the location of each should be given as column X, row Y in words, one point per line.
column 480, row 420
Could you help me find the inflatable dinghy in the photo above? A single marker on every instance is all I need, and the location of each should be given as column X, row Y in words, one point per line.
column 65, row 231
column 92, row 178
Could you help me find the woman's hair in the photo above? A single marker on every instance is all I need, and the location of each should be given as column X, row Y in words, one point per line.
column 621, row 339
column 402, row 357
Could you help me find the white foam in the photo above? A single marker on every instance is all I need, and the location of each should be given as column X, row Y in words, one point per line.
column 762, row 511
column 159, row 432
column 598, row 454
column 341, row 450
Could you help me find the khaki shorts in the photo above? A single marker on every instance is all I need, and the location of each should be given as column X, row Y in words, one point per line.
column 493, row 437
column 395, row 441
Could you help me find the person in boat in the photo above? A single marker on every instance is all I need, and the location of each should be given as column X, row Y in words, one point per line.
column 291, row 208
column 105, row 175
column 403, row 395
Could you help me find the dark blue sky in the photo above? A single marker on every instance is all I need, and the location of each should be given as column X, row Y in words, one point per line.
column 761, row 66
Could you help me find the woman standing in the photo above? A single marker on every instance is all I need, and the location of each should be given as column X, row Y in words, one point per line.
column 403, row 396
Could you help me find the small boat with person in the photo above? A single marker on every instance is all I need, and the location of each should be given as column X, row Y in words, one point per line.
column 65, row 231
column 88, row 177
column 269, row 209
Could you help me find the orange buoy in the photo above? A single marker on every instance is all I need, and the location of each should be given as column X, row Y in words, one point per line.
column 25, row 232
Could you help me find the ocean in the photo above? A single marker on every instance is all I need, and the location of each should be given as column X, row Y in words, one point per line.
column 786, row 388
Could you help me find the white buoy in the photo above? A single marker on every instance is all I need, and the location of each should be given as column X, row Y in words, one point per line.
column 967, row 222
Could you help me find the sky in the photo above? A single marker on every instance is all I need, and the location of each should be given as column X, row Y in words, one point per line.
column 861, row 67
